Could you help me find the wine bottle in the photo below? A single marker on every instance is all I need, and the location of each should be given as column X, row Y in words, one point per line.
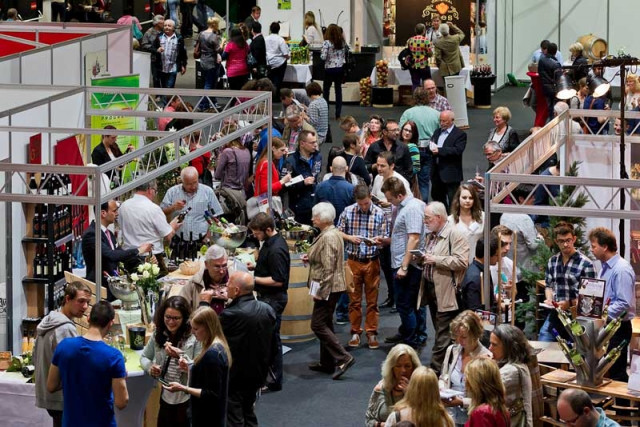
column 605, row 309
column 571, row 325
column 191, row 246
column 180, row 251
column 44, row 221
column 37, row 263
column 608, row 360
column 607, row 332
column 45, row 261
column 36, row 221
column 571, row 353
column 33, row 185
column 183, row 214
column 59, row 262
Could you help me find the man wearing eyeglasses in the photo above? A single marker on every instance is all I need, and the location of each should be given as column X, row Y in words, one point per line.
column 389, row 142
column 208, row 287
column 562, row 277
column 575, row 408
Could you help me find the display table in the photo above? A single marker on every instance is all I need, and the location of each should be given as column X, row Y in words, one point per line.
column 550, row 354
column 298, row 73
column 563, row 379
column 400, row 77
column 18, row 399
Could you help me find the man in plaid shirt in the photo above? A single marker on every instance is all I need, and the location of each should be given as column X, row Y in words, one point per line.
column 563, row 274
column 360, row 221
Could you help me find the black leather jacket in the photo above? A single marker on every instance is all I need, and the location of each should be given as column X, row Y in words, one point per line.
column 248, row 325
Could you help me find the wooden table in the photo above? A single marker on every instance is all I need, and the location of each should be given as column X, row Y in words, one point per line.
column 551, row 354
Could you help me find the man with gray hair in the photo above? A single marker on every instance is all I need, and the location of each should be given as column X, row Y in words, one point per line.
column 148, row 41
column 171, row 55
column 445, row 263
column 447, row 146
column 193, row 199
column 294, row 124
column 248, row 325
column 447, row 50
column 142, row 221
column 576, row 408
column 208, row 287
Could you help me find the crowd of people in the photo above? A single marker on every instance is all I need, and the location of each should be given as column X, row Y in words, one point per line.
column 393, row 203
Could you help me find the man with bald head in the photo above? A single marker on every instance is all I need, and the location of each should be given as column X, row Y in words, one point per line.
column 576, row 408
column 447, row 145
column 190, row 194
column 248, row 325
column 336, row 190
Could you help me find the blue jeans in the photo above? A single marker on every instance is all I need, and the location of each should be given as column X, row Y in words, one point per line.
column 418, row 76
column 172, row 7
column 412, row 320
column 210, row 82
column 424, row 176
column 342, row 308
column 545, row 332
column 333, row 76
column 168, row 80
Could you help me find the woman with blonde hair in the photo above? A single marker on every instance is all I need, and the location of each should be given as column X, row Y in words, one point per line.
column 312, row 34
column 466, row 330
column 209, row 376
column 632, row 99
column 579, row 61
column 421, row 403
column 502, row 133
column 484, row 386
column 397, row 369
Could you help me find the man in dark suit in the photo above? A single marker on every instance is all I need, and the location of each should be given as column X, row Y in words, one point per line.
column 248, row 325
column 258, row 50
column 447, row 145
column 547, row 68
column 111, row 253
column 256, row 11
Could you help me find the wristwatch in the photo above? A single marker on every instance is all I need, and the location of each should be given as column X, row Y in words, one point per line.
column 404, row 268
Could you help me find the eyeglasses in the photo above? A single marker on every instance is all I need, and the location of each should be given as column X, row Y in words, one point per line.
column 562, row 242
column 172, row 318
column 573, row 421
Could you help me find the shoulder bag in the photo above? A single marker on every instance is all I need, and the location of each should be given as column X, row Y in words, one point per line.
column 517, row 409
column 196, row 49
column 405, row 58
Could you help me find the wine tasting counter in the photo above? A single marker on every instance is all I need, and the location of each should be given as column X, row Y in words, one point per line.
column 18, row 398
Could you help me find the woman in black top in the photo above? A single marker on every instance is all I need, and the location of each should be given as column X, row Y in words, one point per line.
column 355, row 162
column 209, row 378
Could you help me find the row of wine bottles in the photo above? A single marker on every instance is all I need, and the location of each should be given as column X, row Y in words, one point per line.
column 183, row 250
column 52, row 184
column 61, row 261
column 577, row 330
column 571, row 352
column 61, row 221
column 481, row 71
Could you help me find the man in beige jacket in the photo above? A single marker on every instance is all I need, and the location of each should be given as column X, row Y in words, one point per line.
column 445, row 263
column 447, row 52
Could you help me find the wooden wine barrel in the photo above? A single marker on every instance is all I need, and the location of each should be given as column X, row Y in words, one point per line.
column 296, row 318
column 594, row 47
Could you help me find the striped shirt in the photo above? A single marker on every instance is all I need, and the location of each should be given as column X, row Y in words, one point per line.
column 372, row 223
column 170, row 54
column 318, row 113
column 194, row 221
column 565, row 279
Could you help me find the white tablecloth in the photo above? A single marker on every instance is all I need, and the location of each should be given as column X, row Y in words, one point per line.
column 398, row 76
column 18, row 401
column 298, row 73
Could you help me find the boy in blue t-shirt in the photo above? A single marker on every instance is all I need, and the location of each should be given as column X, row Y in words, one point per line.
column 87, row 370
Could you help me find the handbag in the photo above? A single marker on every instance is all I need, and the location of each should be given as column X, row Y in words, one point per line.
column 257, row 204
column 405, row 58
column 196, row 50
column 252, row 62
column 517, row 407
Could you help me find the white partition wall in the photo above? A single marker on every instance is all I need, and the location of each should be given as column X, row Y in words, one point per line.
column 66, row 59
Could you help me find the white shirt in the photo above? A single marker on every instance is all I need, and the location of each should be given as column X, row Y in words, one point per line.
column 143, row 221
column 443, row 135
column 473, row 233
column 376, row 189
column 277, row 50
column 313, row 36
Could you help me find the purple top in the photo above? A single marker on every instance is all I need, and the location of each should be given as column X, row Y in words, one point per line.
column 233, row 168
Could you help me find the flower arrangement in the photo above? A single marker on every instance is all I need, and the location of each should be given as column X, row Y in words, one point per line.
column 146, row 277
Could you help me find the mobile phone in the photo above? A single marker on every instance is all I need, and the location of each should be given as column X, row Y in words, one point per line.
column 417, row 252
column 163, row 381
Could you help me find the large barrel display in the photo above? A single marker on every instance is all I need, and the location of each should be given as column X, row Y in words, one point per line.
column 594, row 47
column 296, row 318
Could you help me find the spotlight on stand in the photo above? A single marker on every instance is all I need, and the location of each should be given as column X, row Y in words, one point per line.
column 565, row 88
column 597, row 85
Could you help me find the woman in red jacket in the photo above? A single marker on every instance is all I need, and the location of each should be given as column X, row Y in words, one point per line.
column 279, row 149
column 484, row 387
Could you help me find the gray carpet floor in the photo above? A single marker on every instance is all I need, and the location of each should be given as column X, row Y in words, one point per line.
column 314, row 399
